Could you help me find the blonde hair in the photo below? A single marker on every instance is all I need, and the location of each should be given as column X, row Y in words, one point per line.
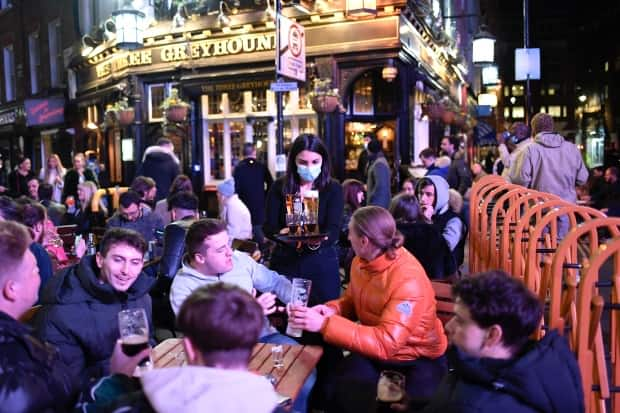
column 60, row 169
column 90, row 188
column 377, row 224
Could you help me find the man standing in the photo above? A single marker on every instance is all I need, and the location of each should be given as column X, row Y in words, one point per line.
column 81, row 304
column 18, row 178
column 252, row 181
column 513, row 145
column 550, row 164
column 459, row 175
column 161, row 164
column 131, row 215
column 379, row 176
column 495, row 367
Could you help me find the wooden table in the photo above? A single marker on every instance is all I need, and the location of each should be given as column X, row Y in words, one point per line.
column 299, row 361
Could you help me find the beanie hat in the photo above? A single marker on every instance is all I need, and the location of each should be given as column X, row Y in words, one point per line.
column 227, row 188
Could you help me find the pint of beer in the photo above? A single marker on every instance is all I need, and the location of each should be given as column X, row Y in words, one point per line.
column 311, row 212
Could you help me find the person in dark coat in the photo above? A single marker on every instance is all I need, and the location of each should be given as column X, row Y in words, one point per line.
column 55, row 211
column 81, row 303
column 379, row 177
column 33, row 378
column 494, row 365
column 160, row 163
column 4, row 178
column 252, row 182
column 423, row 240
column 132, row 216
column 77, row 175
column 18, row 178
column 459, row 174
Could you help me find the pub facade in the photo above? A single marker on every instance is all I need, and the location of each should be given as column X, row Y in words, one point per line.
column 384, row 67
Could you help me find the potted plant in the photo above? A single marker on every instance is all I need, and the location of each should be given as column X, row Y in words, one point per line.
column 174, row 108
column 124, row 113
column 324, row 98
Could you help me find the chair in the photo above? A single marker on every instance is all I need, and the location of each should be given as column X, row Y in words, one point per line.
column 67, row 234
column 94, row 203
column 445, row 302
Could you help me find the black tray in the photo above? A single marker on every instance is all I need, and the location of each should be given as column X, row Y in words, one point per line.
column 305, row 238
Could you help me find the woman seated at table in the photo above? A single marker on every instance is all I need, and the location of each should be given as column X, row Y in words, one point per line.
column 84, row 217
column 422, row 240
column 394, row 302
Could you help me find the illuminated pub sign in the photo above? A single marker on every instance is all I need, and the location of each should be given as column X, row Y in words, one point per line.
column 179, row 52
column 48, row 111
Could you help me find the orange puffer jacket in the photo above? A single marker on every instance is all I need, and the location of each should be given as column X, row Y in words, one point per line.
column 395, row 303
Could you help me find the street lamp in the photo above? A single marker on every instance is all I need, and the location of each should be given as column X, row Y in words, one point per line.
column 483, row 47
column 129, row 28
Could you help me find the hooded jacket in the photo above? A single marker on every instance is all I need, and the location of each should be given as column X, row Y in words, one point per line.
column 246, row 274
column 551, row 164
column 33, row 379
column 80, row 316
column 162, row 165
column 379, row 181
column 394, row 302
column 237, row 217
column 544, row 379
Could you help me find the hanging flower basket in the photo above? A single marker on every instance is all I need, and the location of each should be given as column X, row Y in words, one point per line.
column 448, row 117
column 126, row 116
column 435, row 110
column 459, row 120
column 324, row 103
column 176, row 113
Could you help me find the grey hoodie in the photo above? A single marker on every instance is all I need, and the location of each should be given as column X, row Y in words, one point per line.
column 551, row 164
column 453, row 231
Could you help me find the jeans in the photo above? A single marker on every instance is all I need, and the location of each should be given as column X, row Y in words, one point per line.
column 300, row 405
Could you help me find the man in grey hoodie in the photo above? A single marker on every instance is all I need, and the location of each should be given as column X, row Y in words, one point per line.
column 550, row 164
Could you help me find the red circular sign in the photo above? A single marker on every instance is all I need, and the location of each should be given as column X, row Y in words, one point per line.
column 295, row 40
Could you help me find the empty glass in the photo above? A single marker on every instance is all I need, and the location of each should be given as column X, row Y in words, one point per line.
column 300, row 294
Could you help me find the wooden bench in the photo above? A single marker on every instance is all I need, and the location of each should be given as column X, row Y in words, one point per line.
column 445, row 302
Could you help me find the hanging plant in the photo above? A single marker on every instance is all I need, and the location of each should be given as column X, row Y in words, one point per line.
column 324, row 98
column 175, row 109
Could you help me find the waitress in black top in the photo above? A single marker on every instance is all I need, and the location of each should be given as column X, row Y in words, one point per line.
column 308, row 168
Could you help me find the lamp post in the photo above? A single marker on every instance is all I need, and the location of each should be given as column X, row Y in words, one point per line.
column 526, row 45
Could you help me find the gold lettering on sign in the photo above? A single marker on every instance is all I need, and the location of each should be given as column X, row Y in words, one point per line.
column 186, row 51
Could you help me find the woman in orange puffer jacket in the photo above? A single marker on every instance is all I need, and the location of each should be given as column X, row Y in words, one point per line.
column 386, row 318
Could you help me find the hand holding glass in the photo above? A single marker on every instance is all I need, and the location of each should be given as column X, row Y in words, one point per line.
column 390, row 389
column 300, row 294
column 134, row 332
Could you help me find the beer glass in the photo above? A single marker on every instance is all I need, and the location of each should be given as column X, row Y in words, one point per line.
column 311, row 211
column 292, row 222
column 390, row 389
column 134, row 332
column 300, row 294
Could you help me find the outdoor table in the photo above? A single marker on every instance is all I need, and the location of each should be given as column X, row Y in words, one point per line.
column 299, row 361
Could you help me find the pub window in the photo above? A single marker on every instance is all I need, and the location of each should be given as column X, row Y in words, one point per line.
column 362, row 96
column 517, row 90
column 5, row 4
column 9, row 73
column 156, row 96
column 259, row 100
column 215, row 103
column 518, row 112
column 34, row 58
column 235, row 101
column 507, row 112
column 55, row 49
column 506, row 91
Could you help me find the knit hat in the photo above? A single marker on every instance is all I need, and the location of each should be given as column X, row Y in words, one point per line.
column 227, row 188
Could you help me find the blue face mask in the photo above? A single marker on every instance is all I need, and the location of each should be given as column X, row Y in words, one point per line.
column 309, row 173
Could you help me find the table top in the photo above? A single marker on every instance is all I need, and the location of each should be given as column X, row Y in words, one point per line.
column 299, row 361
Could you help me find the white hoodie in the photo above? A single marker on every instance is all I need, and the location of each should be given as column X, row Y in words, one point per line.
column 196, row 389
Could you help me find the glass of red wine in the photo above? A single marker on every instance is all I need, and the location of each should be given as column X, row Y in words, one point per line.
column 134, row 332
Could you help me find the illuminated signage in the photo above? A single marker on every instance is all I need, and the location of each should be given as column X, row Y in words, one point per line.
column 44, row 111
column 180, row 52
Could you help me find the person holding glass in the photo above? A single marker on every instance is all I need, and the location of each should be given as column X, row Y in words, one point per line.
column 84, row 217
column 386, row 318
column 308, row 169
column 53, row 173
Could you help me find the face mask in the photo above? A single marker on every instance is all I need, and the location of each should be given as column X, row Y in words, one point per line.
column 309, row 173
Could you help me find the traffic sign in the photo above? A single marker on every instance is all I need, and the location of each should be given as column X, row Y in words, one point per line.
column 283, row 86
column 291, row 53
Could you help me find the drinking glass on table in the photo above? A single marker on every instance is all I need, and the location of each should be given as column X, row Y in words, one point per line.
column 390, row 389
column 134, row 332
column 300, row 294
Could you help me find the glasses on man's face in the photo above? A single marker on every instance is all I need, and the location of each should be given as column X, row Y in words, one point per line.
column 131, row 215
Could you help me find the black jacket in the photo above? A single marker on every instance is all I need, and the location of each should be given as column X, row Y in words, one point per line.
column 32, row 379
column 72, row 180
column 55, row 211
column 425, row 242
column 86, row 220
column 252, row 181
column 18, row 183
column 80, row 317
column 162, row 166
column 174, row 246
column 459, row 175
column 544, row 379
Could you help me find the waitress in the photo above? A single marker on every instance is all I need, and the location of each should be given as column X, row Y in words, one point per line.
column 308, row 169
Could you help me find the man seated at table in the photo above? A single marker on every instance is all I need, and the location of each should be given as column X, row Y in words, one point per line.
column 184, row 211
column 494, row 365
column 81, row 303
column 131, row 216
column 221, row 324
column 210, row 259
